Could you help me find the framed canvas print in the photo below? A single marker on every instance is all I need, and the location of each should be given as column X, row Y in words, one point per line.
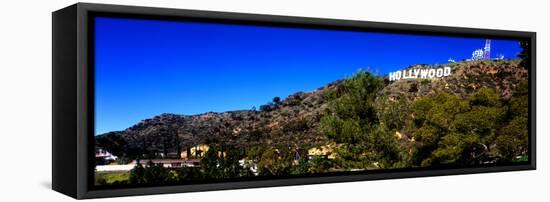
column 155, row 100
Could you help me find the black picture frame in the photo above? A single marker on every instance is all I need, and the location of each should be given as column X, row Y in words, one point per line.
column 73, row 93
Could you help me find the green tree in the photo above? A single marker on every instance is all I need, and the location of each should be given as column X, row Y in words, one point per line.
column 222, row 161
column 393, row 113
column 352, row 121
column 188, row 174
column 271, row 160
column 303, row 167
column 454, row 131
column 229, row 164
column 319, row 165
column 277, row 100
column 513, row 140
column 136, row 174
column 156, row 173
column 432, row 120
column 210, row 162
column 151, row 173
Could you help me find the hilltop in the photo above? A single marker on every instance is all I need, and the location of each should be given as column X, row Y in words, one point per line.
column 466, row 78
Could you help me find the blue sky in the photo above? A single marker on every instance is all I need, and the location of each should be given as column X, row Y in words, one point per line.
column 147, row 67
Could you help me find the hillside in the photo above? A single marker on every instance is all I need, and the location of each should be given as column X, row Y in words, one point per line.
column 295, row 121
column 290, row 122
column 466, row 78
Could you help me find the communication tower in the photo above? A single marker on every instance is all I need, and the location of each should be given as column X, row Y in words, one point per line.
column 487, row 51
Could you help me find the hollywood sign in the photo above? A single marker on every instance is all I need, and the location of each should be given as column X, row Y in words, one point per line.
column 420, row 73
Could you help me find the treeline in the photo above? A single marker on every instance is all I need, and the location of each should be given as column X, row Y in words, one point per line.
column 228, row 162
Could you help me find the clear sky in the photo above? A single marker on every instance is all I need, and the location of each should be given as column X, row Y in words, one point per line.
column 148, row 67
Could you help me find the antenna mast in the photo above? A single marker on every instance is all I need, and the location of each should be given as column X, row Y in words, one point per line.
column 487, row 51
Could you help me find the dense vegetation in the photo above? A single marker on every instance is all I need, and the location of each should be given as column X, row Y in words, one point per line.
column 442, row 129
column 352, row 122
column 220, row 162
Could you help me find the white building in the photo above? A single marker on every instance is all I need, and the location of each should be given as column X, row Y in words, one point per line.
column 105, row 155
